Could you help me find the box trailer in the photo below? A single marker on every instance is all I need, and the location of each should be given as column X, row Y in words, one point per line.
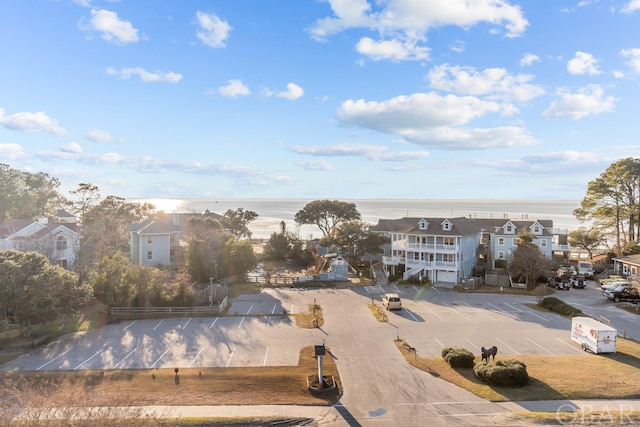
column 593, row 336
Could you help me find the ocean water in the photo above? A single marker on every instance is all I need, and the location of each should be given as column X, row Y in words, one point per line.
column 271, row 212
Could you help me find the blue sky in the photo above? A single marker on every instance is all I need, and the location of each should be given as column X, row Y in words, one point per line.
column 346, row 99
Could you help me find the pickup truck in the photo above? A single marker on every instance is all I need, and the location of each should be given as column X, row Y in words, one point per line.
column 627, row 294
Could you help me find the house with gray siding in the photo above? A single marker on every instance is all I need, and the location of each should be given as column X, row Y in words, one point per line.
column 448, row 249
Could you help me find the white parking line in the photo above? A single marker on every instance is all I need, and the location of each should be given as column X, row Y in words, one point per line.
column 161, row 356
column 509, row 347
column 129, row 325
column 532, row 341
column 537, row 315
column 194, row 359
column 230, row 356
column 481, row 311
column 214, row 322
column 159, row 323
column 433, row 312
column 264, row 363
column 185, row 325
column 124, row 358
column 411, row 314
column 438, row 341
column 455, row 311
column 501, row 311
column 241, row 320
column 569, row 345
column 54, row 359
column 516, row 309
column 435, row 289
column 469, row 341
column 250, row 308
column 99, row 351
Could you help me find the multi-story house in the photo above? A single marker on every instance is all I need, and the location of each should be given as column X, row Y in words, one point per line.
column 448, row 249
column 57, row 238
column 157, row 240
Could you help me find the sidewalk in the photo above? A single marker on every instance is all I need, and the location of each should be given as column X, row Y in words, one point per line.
column 576, row 410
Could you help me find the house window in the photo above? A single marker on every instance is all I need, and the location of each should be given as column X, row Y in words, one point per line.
column 61, row 243
column 149, row 240
column 536, row 229
column 501, row 241
column 509, row 229
column 514, row 242
column 501, row 255
column 543, row 243
column 423, row 225
column 446, row 226
column 449, row 241
column 447, row 257
column 149, row 255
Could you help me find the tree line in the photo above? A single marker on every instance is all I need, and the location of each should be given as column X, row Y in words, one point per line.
column 215, row 246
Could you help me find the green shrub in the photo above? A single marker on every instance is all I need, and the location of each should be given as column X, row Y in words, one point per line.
column 458, row 357
column 560, row 307
column 504, row 373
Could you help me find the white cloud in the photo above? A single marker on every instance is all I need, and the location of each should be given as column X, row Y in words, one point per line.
column 315, row 165
column 391, row 50
column 234, row 88
column 631, row 7
column 72, row 147
column 430, row 119
column 371, row 152
column 583, row 63
column 113, row 29
column 496, row 83
column 528, row 59
column 98, row 135
column 588, row 100
column 293, row 92
column 213, row 31
column 406, row 20
column 458, row 46
column 11, row 151
column 144, row 75
column 31, row 122
column 632, row 58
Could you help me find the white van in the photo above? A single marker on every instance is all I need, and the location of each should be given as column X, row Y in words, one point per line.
column 391, row 302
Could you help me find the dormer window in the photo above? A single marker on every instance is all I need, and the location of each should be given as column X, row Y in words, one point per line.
column 446, row 225
column 423, row 224
column 536, row 229
column 509, row 228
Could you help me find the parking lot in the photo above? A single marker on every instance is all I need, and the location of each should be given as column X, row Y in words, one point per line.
column 259, row 332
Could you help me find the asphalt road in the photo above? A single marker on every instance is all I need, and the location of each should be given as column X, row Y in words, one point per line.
column 380, row 388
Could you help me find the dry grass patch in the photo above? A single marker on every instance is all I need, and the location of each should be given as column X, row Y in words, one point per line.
column 278, row 385
column 589, row 376
column 311, row 319
column 378, row 312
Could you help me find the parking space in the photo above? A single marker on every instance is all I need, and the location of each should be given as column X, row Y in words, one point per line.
column 257, row 333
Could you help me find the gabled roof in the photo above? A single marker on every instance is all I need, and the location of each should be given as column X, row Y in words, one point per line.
column 629, row 259
column 461, row 226
column 12, row 226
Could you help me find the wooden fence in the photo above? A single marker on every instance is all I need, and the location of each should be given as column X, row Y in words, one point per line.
column 141, row 312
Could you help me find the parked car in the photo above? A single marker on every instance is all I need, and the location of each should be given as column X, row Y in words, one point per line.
column 585, row 268
column 559, row 283
column 391, row 302
column 579, row 282
column 627, row 294
column 612, row 285
column 621, row 287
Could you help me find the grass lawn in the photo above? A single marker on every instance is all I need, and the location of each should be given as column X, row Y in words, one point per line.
column 277, row 385
column 590, row 376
